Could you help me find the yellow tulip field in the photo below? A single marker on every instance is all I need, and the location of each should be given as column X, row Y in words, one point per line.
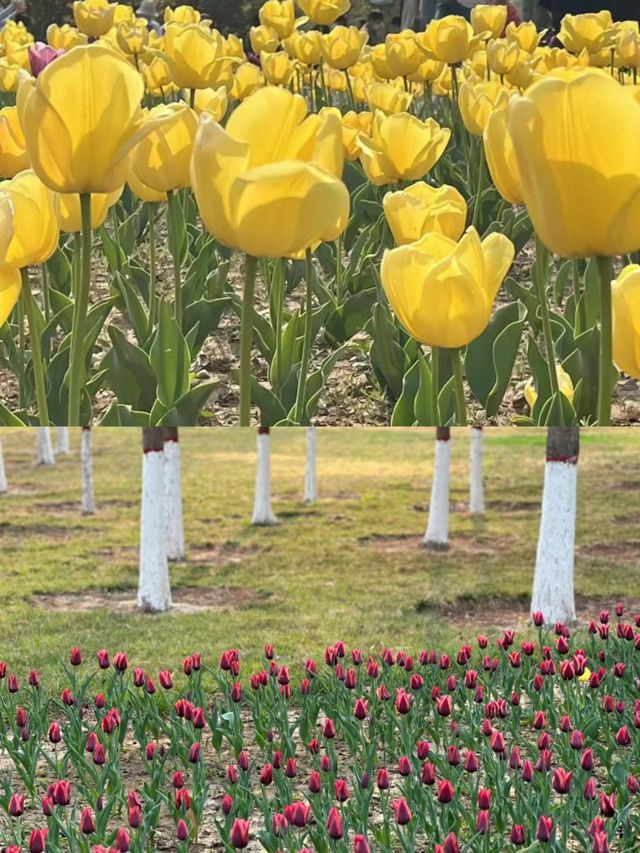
column 450, row 219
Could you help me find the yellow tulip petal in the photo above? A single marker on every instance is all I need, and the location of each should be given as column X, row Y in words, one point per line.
column 10, row 284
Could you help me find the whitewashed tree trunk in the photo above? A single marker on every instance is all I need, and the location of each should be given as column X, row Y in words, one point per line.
column 3, row 475
column 476, row 485
column 62, row 440
column 553, row 593
column 86, row 469
column 310, row 480
column 154, row 592
column 173, row 495
column 262, row 512
column 437, row 535
column 44, row 447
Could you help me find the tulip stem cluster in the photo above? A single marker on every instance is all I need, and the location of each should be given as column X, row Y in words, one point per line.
column 81, row 305
column 246, row 338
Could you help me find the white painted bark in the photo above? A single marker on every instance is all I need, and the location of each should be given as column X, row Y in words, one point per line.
column 62, row 440
column 44, row 447
column 553, row 593
column 437, row 535
column 154, row 593
column 3, row 474
column 262, row 512
column 310, row 479
column 86, row 472
column 476, row 485
column 173, row 500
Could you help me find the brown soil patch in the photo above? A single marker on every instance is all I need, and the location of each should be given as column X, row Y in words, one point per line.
column 627, row 551
column 49, row 531
column 185, row 600
column 487, row 613
column 631, row 518
column 461, row 543
column 627, row 486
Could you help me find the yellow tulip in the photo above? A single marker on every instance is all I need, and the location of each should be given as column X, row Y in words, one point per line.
column 197, row 57
column 9, row 76
column 377, row 57
column 13, row 146
column 354, row 125
column 525, row 35
column 36, row 221
column 263, row 39
column 10, row 285
column 324, row 12
column 181, row 15
column 443, row 291
column 501, row 158
column 277, row 68
column 552, row 58
column 71, row 214
column 306, row 47
column 94, row 18
column 401, row 148
column 388, row 98
column 235, row 48
column 477, row 102
column 214, row 101
column 78, row 139
column 157, row 76
column 343, row 46
column 582, row 186
column 64, row 37
column 449, row 39
column 524, row 73
column 247, row 79
column 336, row 80
column 123, row 14
column 565, row 386
column 628, row 50
column 142, row 191
column 272, row 164
column 428, row 71
column 590, row 31
column 421, row 208
column 488, row 19
column 403, row 54
column 280, row 15
column 132, row 39
column 502, row 56
column 625, row 295
column 162, row 158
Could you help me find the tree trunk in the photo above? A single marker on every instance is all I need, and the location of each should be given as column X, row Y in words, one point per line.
column 44, row 447
column 476, row 485
column 437, row 535
column 262, row 512
column 310, row 483
column 62, row 440
column 173, row 494
column 86, row 468
column 3, row 476
column 553, row 593
column 154, row 593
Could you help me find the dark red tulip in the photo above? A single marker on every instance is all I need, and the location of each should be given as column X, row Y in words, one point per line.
column 402, row 811
column 544, row 829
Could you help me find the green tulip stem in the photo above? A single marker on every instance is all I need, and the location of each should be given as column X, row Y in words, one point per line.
column 76, row 262
column 540, row 278
column 435, row 383
column 352, row 100
column 44, row 277
column 153, row 296
column 246, row 339
column 192, row 98
column 36, row 349
column 80, row 308
column 461, row 404
column 605, row 268
column 174, row 214
column 339, row 269
column 300, row 410
column 477, row 203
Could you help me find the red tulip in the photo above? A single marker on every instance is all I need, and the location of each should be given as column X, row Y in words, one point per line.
column 334, row 824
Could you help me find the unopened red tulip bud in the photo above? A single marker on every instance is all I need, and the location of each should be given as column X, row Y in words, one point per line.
column 48, row 805
column 361, row 709
column 279, row 824
column 587, row 760
column 383, row 780
column 428, row 773
column 544, row 829
column 527, row 771
column 589, row 790
column 544, row 741
column 37, row 841
column 451, row 844
column 182, row 830
column 334, row 824
column 561, row 780
column 150, row 751
column 232, row 774
column 484, row 799
column 87, row 823
column 402, row 811
column 120, row 661
column 623, row 738
column 600, row 843
column 453, row 756
column 103, row 658
column 404, row 766
column 100, row 701
column 325, row 764
column 329, row 729
column 608, row 804
column 314, row 782
column 226, row 804
column 99, row 756
column 482, row 823
column 75, row 656
column 360, row 844
column 633, row 784
column 138, row 676
column 445, row 791
column 34, row 680
column 16, row 805
column 135, row 817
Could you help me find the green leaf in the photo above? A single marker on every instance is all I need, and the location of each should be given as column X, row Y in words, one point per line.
column 206, row 313
column 387, row 356
column 134, row 310
column 422, row 407
column 8, row 419
column 186, row 411
column 490, row 358
column 350, row 317
column 124, row 416
column 129, row 372
column 403, row 412
column 271, row 409
column 169, row 357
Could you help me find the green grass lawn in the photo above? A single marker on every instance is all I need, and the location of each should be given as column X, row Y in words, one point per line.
column 348, row 567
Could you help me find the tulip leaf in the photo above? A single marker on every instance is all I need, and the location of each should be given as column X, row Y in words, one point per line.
column 112, row 251
column 350, row 317
column 169, row 357
column 563, row 281
column 123, row 416
column 422, row 409
column 129, row 372
column 403, row 412
column 556, row 411
column 490, row 358
column 187, row 409
column 133, row 308
column 387, row 356
column 10, row 419
column 59, row 270
column 271, row 409
column 317, row 380
column 206, row 313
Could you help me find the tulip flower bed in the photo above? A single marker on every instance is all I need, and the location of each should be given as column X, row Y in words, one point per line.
column 503, row 745
column 317, row 205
